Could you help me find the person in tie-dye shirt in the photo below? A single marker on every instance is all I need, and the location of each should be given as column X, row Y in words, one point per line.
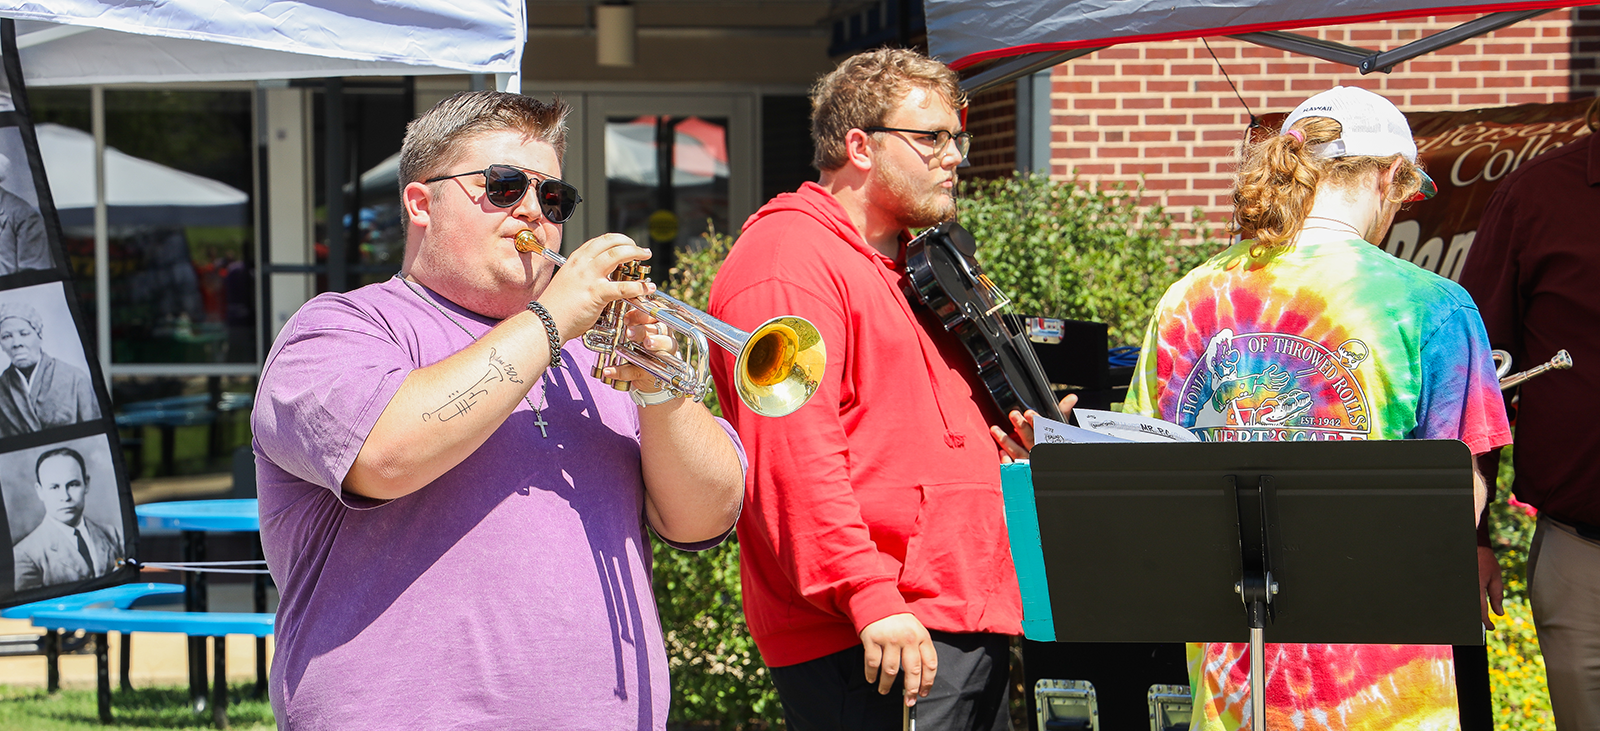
column 1305, row 330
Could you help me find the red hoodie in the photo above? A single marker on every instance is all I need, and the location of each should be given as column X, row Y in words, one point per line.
column 882, row 494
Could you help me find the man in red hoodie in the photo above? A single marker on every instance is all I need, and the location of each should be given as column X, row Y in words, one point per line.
column 873, row 542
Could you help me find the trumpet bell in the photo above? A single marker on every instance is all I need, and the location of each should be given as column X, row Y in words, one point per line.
column 780, row 365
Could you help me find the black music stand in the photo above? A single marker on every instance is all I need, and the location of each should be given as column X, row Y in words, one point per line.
column 1324, row 542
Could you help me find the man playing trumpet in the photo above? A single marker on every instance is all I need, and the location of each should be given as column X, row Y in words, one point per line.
column 452, row 507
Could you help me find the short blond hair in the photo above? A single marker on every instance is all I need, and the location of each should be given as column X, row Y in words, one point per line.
column 862, row 92
column 434, row 140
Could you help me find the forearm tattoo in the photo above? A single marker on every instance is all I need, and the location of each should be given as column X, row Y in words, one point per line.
column 462, row 401
column 505, row 367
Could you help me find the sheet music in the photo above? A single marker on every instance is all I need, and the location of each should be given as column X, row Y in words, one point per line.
column 1050, row 431
column 1132, row 427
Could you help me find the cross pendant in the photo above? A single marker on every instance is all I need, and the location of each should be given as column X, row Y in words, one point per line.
column 541, row 423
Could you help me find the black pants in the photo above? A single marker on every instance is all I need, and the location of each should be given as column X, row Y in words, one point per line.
column 970, row 691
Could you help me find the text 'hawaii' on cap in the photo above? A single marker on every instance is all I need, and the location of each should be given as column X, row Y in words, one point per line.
column 1372, row 125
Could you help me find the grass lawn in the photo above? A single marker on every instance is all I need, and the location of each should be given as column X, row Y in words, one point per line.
column 28, row 709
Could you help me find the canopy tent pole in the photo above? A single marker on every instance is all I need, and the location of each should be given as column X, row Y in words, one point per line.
column 102, row 237
column 1015, row 68
column 1367, row 61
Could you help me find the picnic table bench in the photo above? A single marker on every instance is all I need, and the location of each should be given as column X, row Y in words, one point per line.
column 167, row 414
column 216, row 625
column 125, row 596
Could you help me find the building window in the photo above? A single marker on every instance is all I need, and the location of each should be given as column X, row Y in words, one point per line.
column 184, row 330
column 179, row 176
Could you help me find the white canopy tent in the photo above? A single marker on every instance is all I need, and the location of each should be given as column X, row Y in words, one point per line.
column 102, row 42
column 137, row 190
column 110, row 42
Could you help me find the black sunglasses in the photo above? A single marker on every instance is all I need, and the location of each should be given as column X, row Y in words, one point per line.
column 506, row 184
column 940, row 137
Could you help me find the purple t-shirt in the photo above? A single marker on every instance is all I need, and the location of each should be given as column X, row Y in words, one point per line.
column 513, row 592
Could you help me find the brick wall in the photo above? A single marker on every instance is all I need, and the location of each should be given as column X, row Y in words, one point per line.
column 992, row 120
column 1164, row 112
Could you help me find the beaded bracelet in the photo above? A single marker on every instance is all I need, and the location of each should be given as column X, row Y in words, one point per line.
column 549, row 330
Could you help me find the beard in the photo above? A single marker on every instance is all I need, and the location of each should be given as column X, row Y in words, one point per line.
column 913, row 205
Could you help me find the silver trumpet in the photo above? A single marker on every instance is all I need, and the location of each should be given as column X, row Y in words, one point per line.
column 778, row 365
column 1502, row 362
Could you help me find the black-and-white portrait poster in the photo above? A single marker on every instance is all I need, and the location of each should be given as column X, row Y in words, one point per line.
column 23, row 242
column 63, row 513
column 44, row 370
column 65, row 502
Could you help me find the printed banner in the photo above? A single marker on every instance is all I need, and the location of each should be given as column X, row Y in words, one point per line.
column 1468, row 154
column 65, row 501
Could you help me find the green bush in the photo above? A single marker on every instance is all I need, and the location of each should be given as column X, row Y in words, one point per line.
column 718, row 679
column 1068, row 250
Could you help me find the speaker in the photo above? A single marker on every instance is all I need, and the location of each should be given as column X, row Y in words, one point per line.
column 1074, row 356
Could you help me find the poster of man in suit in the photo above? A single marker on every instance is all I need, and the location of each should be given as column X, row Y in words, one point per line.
column 65, row 516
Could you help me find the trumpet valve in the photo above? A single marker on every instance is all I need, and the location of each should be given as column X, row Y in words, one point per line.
column 610, row 327
column 630, row 272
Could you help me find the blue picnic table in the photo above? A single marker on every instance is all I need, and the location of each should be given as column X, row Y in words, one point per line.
column 167, row 414
column 195, row 518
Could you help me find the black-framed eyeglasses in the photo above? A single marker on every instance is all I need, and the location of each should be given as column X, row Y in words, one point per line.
column 938, row 137
column 506, row 184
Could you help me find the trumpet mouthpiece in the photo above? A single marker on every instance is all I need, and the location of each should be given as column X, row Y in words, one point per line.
column 527, row 241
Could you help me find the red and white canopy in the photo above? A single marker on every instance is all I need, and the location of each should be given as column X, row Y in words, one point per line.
column 1027, row 35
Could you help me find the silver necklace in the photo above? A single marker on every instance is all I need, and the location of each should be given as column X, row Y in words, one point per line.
column 544, row 390
column 1345, row 224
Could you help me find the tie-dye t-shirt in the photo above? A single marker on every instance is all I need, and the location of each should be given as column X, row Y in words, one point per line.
column 1329, row 340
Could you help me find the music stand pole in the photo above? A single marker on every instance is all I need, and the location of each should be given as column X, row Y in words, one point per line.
column 1257, row 586
column 1258, row 681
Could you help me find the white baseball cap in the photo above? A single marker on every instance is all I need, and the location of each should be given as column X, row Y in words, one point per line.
column 1372, row 125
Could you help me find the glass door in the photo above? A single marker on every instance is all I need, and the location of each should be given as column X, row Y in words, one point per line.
column 664, row 169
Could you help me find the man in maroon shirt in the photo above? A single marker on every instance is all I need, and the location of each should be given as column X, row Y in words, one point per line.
column 1534, row 270
column 873, row 544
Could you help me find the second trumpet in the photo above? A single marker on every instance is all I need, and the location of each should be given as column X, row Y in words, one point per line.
column 777, row 367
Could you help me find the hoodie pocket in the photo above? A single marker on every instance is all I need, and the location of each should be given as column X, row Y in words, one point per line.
column 953, row 550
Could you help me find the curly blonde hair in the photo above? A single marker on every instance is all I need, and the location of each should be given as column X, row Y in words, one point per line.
column 862, row 92
column 1279, row 176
